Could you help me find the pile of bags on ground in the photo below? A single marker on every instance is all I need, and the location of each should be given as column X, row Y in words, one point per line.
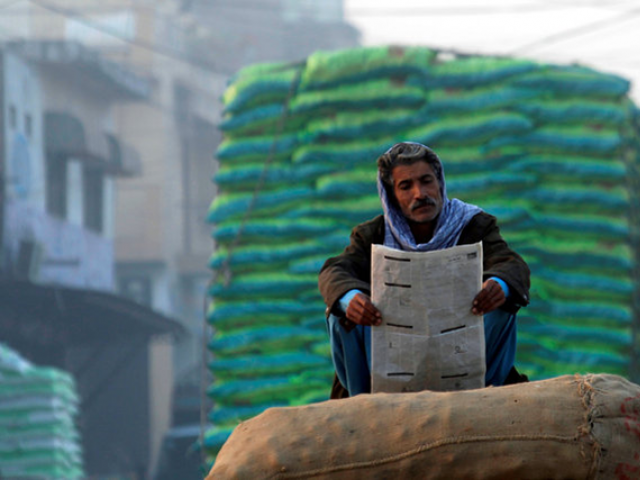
column 38, row 407
column 550, row 150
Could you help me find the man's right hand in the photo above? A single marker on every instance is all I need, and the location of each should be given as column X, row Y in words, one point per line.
column 362, row 311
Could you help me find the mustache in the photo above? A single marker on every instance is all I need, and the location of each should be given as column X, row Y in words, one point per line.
column 424, row 202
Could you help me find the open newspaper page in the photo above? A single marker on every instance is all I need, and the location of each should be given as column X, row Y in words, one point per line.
column 429, row 339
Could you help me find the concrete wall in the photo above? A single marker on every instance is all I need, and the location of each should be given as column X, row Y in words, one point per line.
column 23, row 100
column 161, row 388
column 142, row 217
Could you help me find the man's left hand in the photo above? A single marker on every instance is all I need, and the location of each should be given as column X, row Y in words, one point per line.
column 490, row 297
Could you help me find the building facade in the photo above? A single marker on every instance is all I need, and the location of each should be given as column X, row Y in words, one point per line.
column 60, row 159
column 145, row 212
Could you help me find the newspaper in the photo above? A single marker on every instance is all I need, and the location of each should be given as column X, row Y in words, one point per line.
column 429, row 339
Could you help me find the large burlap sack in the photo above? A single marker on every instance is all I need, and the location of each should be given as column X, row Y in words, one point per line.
column 568, row 427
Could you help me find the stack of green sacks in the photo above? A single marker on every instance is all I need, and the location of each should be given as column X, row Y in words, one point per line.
column 269, row 344
column 633, row 184
column 38, row 436
column 542, row 147
column 579, row 246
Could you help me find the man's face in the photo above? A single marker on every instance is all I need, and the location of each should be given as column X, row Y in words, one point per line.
column 417, row 190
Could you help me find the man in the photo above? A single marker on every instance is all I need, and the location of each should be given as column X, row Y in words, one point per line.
column 418, row 216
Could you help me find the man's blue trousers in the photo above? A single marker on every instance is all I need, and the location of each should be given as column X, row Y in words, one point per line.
column 351, row 351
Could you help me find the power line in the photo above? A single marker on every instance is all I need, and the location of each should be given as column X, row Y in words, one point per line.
column 166, row 52
column 74, row 15
column 9, row 4
column 365, row 11
column 244, row 22
column 246, row 6
column 466, row 10
column 211, row 95
column 477, row 10
column 629, row 55
column 609, row 4
column 624, row 62
column 81, row 17
column 24, row 10
column 572, row 33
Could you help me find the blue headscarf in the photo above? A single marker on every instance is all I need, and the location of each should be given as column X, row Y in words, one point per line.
column 454, row 216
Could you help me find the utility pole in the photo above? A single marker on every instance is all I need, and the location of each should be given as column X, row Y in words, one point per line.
column 3, row 260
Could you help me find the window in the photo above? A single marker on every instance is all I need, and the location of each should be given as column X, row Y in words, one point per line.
column 28, row 126
column 93, row 194
column 13, row 117
column 56, row 186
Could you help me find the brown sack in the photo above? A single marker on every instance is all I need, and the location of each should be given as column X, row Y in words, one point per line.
column 566, row 427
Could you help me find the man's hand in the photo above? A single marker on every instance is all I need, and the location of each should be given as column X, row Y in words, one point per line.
column 490, row 297
column 363, row 312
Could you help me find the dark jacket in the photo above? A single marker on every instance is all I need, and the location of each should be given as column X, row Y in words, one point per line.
column 352, row 268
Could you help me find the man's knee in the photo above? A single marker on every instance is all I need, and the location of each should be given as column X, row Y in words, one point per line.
column 499, row 317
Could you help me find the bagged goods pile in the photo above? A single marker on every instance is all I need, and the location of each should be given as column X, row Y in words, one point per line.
column 38, row 406
column 550, row 150
column 582, row 427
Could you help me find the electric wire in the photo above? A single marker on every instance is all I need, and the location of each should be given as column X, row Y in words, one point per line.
column 576, row 32
column 448, row 11
column 10, row 4
column 72, row 14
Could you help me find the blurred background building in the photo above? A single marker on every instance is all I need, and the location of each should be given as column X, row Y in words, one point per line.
column 61, row 159
column 109, row 119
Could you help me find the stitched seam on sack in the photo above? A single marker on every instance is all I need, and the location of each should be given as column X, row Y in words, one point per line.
column 423, row 449
column 586, row 391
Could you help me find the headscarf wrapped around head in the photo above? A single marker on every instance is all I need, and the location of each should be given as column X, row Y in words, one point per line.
column 454, row 216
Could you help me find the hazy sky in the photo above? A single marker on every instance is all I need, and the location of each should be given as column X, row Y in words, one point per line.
column 603, row 34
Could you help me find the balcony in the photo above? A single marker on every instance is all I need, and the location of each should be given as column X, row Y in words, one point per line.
column 49, row 251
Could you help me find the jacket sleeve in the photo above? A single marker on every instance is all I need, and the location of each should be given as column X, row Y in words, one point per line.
column 349, row 270
column 502, row 262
